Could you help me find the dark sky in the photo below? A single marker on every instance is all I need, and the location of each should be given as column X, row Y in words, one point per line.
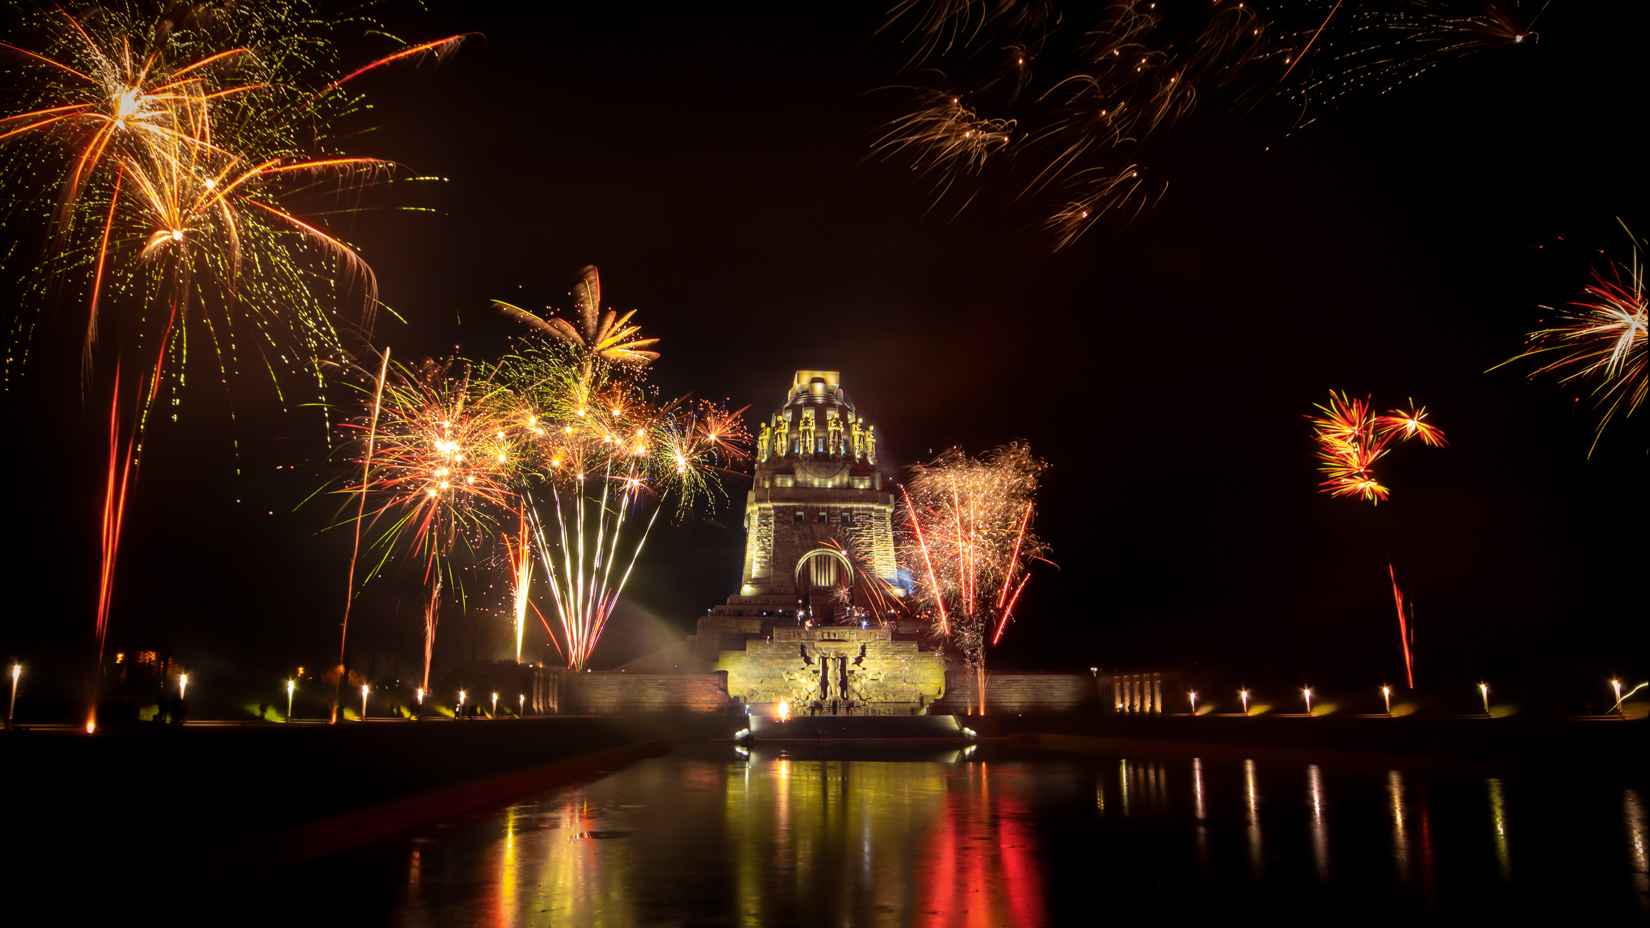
column 713, row 161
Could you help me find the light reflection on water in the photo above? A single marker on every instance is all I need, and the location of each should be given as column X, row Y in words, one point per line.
column 1257, row 860
column 1320, row 827
column 1633, row 810
column 1400, row 840
column 1498, row 812
column 999, row 839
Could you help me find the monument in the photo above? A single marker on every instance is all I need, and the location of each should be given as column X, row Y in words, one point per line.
column 814, row 624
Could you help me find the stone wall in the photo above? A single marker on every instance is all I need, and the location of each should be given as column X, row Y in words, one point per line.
column 1020, row 692
column 622, row 693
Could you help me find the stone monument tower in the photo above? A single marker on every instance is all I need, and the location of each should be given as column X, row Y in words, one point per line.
column 819, row 554
column 817, row 513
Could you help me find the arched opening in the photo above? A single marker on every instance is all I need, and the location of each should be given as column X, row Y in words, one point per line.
column 819, row 575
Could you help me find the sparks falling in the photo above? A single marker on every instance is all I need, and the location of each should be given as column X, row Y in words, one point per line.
column 969, row 544
column 170, row 154
column 440, row 465
column 1600, row 341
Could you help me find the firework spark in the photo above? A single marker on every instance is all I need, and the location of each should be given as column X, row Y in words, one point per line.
column 1373, row 47
column 440, row 465
column 1601, row 340
column 177, row 146
column 970, row 542
column 1133, row 69
column 610, row 338
column 1351, row 438
column 1121, row 73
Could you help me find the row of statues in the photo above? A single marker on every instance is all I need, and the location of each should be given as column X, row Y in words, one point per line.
column 861, row 439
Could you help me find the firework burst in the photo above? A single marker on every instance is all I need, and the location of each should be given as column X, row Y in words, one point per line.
column 1123, row 72
column 1351, row 438
column 1118, row 75
column 969, row 542
column 440, row 465
column 1329, row 50
column 167, row 154
column 599, row 451
column 1600, row 340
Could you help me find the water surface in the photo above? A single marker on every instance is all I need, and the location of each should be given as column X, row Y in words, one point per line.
column 714, row 835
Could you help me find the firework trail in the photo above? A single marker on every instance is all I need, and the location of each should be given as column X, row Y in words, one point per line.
column 518, row 552
column 1406, row 625
column 970, row 541
column 1600, row 339
column 168, row 154
column 1351, row 438
column 1076, row 96
column 360, row 516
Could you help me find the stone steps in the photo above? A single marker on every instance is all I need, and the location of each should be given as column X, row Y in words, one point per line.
column 857, row 728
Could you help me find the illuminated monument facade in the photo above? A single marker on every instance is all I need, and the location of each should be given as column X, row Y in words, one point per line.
column 817, row 504
column 819, row 557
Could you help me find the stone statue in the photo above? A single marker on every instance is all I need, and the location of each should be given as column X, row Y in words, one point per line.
column 805, row 434
column 859, row 438
column 834, row 424
column 762, row 443
column 780, row 445
column 871, row 444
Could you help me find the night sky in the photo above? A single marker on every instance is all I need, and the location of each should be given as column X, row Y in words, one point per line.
column 714, row 162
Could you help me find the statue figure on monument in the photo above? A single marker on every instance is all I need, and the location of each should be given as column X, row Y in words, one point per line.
column 762, row 443
column 859, row 437
column 780, row 445
column 871, row 444
column 805, row 433
column 834, row 425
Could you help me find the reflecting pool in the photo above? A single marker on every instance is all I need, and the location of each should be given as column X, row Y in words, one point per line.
column 716, row 835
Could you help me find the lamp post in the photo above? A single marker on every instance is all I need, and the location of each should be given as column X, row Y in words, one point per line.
column 363, row 702
column 1307, row 692
column 1386, row 694
column 290, row 686
column 1484, row 691
column 1244, row 695
column 16, row 671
